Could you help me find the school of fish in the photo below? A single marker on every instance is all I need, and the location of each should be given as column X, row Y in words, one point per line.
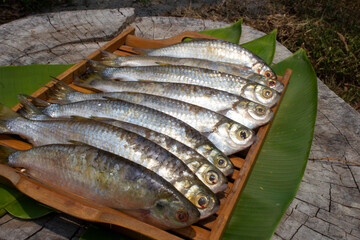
column 154, row 140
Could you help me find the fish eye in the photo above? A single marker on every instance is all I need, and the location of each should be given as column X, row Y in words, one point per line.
column 260, row 110
column 242, row 134
column 212, row 177
column 182, row 215
column 222, row 162
column 267, row 93
column 201, row 201
column 272, row 83
column 268, row 74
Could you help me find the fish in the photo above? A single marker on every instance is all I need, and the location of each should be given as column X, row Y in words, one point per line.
column 239, row 109
column 217, row 51
column 117, row 141
column 107, row 179
column 228, row 136
column 212, row 177
column 114, row 60
column 148, row 118
column 191, row 75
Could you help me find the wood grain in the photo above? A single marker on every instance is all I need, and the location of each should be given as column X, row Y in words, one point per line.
column 211, row 228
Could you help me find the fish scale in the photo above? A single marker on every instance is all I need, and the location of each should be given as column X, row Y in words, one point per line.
column 195, row 76
column 237, row 108
column 109, row 180
column 197, row 163
column 114, row 60
column 218, row 51
column 149, row 118
column 120, row 142
column 222, row 131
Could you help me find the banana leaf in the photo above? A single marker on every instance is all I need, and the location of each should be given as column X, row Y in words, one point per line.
column 280, row 165
column 25, row 79
column 264, row 46
column 19, row 205
column 231, row 33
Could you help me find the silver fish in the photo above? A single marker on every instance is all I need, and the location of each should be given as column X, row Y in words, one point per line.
column 195, row 76
column 205, row 171
column 241, row 110
column 114, row 60
column 118, row 141
column 217, row 51
column 229, row 136
column 109, row 180
column 148, row 118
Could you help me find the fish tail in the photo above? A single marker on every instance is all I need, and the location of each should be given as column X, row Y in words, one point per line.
column 96, row 66
column 89, row 81
column 5, row 152
column 59, row 92
column 6, row 114
column 108, row 58
column 33, row 108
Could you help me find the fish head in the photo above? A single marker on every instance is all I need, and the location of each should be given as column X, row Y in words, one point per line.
column 261, row 94
column 274, row 84
column 203, row 199
column 173, row 213
column 221, row 161
column 259, row 112
column 212, row 177
column 239, row 134
column 269, row 82
column 249, row 113
column 263, row 69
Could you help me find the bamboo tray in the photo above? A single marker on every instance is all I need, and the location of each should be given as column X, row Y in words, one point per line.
column 77, row 206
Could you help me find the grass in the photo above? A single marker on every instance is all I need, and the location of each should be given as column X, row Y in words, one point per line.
column 327, row 29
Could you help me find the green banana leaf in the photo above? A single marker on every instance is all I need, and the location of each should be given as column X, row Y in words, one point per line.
column 231, row 33
column 25, row 79
column 19, row 205
column 264, row 46
column 281, row 163
column 278, row 170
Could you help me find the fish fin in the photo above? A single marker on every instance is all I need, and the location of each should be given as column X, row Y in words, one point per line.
column 223, row 111
column 109, row 58
column 6, row 114
column 39, row 103
column 143, row 51
column 206, row 134
column 5, row 152
column 163, row 64
column 29, row 110
column 77, row 142
column 79, row 118
column 89, row 81
column 96, row 66
column 59, row 91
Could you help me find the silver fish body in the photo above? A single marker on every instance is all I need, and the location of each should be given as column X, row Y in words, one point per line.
column 218, row 51
column 109, row 180
column 239, row 109
column 148, row 118
column 113, row 60
column 196, row 76
column 120, row 142
column 205, row 171
column 229, row 136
